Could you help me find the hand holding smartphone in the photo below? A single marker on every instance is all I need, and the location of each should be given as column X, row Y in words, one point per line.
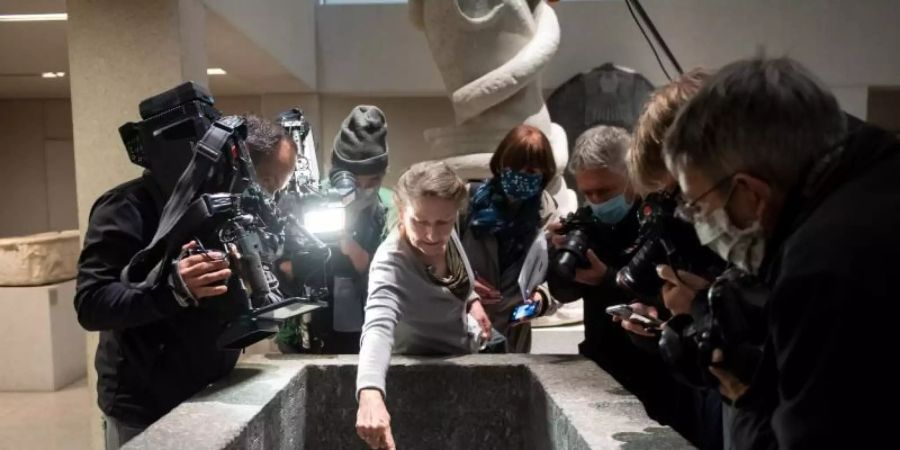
column 625, row 312
column 525, row 312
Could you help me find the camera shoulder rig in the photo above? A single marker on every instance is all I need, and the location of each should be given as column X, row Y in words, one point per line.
column 221, row 145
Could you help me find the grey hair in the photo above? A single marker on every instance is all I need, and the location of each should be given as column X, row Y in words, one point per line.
column 601, row 147
column 769, row 118
column 434, row 179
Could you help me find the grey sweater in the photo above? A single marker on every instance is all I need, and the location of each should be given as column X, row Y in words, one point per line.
column 406, row 312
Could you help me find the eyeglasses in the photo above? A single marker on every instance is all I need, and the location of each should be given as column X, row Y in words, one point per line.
column 689, row 211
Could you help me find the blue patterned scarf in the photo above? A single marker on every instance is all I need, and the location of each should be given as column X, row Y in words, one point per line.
column 490, row 213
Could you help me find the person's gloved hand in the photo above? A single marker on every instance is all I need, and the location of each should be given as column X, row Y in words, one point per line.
column 201, row 273
column 373, row 423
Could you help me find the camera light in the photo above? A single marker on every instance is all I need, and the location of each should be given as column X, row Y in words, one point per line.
column 324, row 220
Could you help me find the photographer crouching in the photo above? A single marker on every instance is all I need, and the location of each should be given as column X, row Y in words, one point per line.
column 776, row 182
column 159, row 338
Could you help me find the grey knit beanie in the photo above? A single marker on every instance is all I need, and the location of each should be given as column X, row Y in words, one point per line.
column 360, row 146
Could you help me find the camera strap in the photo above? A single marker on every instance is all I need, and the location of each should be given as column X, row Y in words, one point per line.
column 183, row 212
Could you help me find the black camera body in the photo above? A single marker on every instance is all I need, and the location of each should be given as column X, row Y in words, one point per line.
column 665, row 239
column 735, row 323
column 583, row 231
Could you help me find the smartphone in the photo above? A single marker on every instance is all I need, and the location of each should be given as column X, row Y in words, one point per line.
column 626, row 313
column 525, row 311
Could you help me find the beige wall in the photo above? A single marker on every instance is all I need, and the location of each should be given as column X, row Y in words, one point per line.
column 37, row 167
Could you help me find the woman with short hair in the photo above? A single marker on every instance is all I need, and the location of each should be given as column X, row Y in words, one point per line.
column 421, row 291
column 506, row 213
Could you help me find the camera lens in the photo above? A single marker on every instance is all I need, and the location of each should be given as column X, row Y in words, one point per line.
column 572, row 254
column 639, row 275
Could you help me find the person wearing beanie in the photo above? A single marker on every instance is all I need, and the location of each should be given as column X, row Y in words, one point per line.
column 360, row 148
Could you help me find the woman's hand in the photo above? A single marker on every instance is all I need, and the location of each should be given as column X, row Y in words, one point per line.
column 678, row 292
column 373, row 423
column 477, row 312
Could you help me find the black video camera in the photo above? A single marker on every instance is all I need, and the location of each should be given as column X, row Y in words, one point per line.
column 665, row 239
column 583, row 231
column 200, row 162
column 735, row 323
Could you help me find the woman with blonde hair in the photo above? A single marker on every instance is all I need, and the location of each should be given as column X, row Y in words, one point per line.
column 421, row 291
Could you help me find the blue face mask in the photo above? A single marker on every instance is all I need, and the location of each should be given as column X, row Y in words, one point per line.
column 520, row 185
column 611, row 211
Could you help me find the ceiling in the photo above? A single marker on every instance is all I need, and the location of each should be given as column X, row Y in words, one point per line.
column 30, row 48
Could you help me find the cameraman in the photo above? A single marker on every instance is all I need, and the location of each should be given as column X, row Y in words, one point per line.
column 156, row 350
column 776, row 182
column 360, row 147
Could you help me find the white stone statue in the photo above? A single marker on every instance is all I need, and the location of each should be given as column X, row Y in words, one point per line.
column 490, row 54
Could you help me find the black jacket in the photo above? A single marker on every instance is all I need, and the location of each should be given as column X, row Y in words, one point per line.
column 825, row 379
column 153, row 354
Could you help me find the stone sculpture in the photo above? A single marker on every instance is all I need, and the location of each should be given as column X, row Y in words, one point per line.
column 490, row 54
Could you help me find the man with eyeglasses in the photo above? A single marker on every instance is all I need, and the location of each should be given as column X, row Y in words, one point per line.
column 776, row 182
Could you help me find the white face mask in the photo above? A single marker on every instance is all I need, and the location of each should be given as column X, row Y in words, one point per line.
column 743, row 248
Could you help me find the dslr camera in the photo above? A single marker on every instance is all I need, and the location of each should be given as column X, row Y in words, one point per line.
column 664, row 239
column 735, row 323
column 583, row 231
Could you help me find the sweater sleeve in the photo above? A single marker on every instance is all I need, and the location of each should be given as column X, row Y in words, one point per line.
column 382, row 314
